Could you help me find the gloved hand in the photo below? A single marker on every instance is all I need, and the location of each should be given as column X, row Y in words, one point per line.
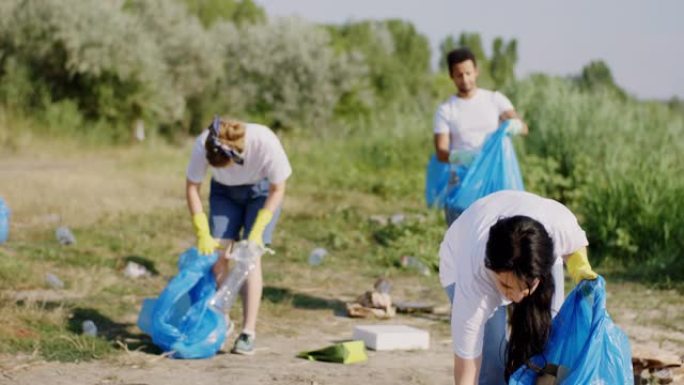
column 461, row 157
column 205, row 242
column 256, row 235
column 515, row 127
column 578, row 266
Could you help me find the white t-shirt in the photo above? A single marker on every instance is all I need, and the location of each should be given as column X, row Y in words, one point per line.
column 469, row 121
column 264, row 158
column 462, row 255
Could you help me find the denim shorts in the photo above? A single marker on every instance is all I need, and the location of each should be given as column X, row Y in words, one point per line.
column 233, row 210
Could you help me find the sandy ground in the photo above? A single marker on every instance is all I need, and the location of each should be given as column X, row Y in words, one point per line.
column 275, row 362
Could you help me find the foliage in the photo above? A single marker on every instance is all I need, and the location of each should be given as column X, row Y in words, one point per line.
column 497, row 70
column 239, row 12
column 616, row 162
column 398, row 60
column 285, row 74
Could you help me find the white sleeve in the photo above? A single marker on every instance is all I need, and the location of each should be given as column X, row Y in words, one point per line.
column 469, row 314
column 566, row 233
column 441, row 121
column 446, row 263
column 278, row 167
column 502, row 103
column 198, row 165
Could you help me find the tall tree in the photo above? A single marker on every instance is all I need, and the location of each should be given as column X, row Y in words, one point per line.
column 237, row 11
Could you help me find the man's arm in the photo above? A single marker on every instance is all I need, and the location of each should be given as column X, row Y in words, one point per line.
column 442, row 147
column 512, row 114
column 466, row 371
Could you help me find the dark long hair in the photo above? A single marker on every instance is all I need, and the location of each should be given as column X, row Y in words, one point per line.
column 521, row 245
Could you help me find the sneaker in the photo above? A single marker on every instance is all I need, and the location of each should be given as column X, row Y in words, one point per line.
column 244, row 345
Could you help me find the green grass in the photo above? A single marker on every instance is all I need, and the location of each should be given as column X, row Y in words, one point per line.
column 126, row 203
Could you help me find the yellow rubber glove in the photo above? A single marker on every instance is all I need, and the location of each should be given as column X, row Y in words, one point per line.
column 256, row 235
column 206, row 244
column 578, row 266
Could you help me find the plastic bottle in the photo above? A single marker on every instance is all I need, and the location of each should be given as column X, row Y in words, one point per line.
column 53, row 281
column 4, row 221
column 244, row 257
column 64, row 236
column 89, row 328
column 416, row 264
column 317, row 255
column 383, row 286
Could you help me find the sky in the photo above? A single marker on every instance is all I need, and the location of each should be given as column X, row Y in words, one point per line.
column 642, row 41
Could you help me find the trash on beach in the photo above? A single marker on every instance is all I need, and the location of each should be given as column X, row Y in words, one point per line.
column 53, row 281
column 65, row 236
column 348, row 352
column 135, row 270
column 412, row 263
column 317, row 255
column 373, row 303
column 392, row 337
column 89, row 328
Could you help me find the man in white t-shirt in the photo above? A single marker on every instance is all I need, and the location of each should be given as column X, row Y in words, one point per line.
column 463, row 122
column 507, row 247
column 249, row 171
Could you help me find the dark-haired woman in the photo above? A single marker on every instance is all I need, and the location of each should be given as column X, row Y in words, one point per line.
column 249, row 169
column 508, row 247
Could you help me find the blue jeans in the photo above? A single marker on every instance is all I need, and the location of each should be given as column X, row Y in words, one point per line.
column 495, row 343
column 234, row 208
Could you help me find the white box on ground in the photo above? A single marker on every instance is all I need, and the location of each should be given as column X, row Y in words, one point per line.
column 392, row 337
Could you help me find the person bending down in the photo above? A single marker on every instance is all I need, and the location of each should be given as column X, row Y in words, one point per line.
column 249, row 170
column 507, row 248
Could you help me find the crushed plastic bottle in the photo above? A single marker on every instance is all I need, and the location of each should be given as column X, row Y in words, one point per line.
column 4, row 221
column 65, row 236
column 89, row 328
column 397, row 219
column 53, row 281
column 317, row 255
column 244, row 258
column 383, row 286
column 413, row 263
column 135, row 270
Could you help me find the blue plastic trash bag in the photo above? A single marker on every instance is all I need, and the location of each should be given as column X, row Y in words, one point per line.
column 437, row 181
column 584, row 342
column 4, row 221
column 200, row 331
column 494, row 168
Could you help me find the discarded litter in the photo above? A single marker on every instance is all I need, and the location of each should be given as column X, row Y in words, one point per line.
column 344, row 353
column 392, row 337
column 414, row 307
column 65, row 236
column 383, row 286
column 317, row 255
column 4, row 221
column 244, row 256
column 53, row 281
column 414, row 263
column 135, row 270
column 89, row 328
column 373, row 303
column 397, row 218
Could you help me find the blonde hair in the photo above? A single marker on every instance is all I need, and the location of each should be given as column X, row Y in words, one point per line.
column 231, row 134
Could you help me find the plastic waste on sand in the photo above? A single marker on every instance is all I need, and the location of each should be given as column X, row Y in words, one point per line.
column 4, row 221
column 53, row 281
column 416, row 264
column 317, row 255
column 89, row 328
column 135, row 270
column 65, row 236
column 244, row 257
